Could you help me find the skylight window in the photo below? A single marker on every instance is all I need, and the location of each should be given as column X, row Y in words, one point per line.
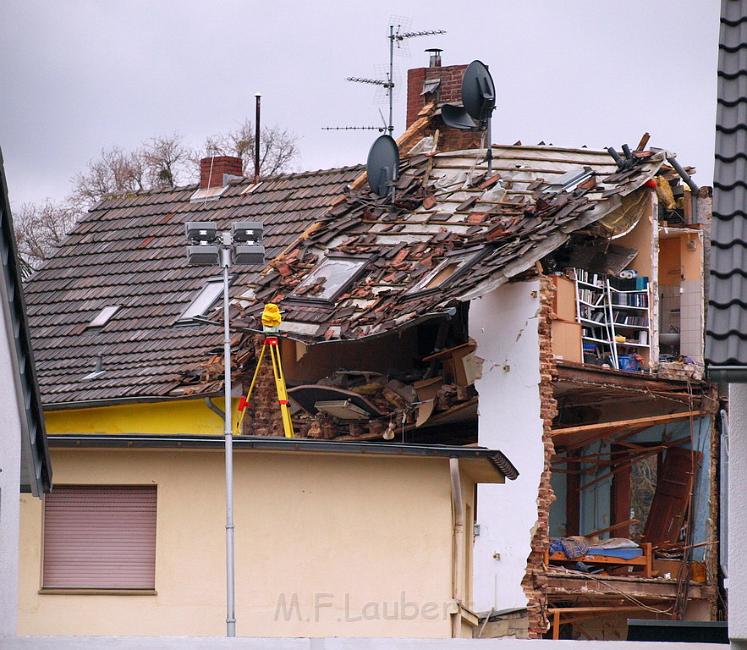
column 446, row 271
column 103, row 317
column 330, row 278
column 203, row 302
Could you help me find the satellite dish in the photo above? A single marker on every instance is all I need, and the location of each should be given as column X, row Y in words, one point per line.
column 382, row 166
column 478, row 99
column 478, row 104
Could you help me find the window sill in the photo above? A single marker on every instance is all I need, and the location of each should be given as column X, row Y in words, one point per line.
column 97, row 592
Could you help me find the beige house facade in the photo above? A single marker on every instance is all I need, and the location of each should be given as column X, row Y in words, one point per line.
column 362, row 543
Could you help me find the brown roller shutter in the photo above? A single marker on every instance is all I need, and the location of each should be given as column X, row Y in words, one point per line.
column 100, row 538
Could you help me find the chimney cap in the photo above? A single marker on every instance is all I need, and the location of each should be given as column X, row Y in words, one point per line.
column 435, row 60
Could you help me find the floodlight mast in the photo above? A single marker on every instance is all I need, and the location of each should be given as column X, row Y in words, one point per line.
column 228, row 438
column 205, row 235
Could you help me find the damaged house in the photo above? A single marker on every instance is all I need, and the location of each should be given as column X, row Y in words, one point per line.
column 551, row 308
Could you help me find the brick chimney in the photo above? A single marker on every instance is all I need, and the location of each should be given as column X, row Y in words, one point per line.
column 442, row 84
column 213, row 170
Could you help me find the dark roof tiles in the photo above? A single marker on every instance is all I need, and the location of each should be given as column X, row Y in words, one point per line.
column 726, row 330
column 130, row 251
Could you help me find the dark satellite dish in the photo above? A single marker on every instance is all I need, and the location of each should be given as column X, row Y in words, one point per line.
column 478, row 99
column 478, row 91
column 478, row 104
column 383, row 165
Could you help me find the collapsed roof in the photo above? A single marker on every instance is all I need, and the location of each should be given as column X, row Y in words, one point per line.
column 453, row 233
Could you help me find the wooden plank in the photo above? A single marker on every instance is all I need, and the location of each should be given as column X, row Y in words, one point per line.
column 588, row 432
column 572, row 504
column 673, row 487
column 586, row 374
column 621, row 496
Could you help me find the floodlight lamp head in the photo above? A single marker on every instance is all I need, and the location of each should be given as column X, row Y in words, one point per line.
column 203, row 255
column 201, row 231
column 252, row 254
column 247, row 231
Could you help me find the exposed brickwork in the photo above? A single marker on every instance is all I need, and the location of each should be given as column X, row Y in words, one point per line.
column 263, row 417
column 533, row 579
column 449, row 91
column 213, row 168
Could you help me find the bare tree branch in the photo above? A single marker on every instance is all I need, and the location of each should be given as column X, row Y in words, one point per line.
column 40, row 229
column 278, row 148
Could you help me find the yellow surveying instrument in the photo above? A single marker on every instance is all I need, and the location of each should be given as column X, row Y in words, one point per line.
column 270, row 324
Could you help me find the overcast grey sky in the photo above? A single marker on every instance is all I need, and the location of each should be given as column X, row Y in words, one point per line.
column 79, row 75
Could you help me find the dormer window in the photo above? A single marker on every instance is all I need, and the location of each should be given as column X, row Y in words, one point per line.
column 202, row 302
column 331, row 278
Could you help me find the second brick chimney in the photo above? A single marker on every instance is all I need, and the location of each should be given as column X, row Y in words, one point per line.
column 442, row 84
column 214, row 168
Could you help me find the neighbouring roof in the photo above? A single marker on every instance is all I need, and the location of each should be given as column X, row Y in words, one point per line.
column 129, row 252
column 36, row 468
column 450, row 220
column 480, row 462
column 726, row 330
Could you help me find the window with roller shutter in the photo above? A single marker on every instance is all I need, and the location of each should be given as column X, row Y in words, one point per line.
column 100, row 537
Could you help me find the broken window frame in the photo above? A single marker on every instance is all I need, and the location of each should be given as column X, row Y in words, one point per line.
column 360, row 260
column 186, row 318
column 469, row 258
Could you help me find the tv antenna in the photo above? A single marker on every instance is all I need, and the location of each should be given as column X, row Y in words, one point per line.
column 478, row 99
column 380, row 129
column 396, row 37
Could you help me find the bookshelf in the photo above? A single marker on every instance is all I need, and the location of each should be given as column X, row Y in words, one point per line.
column 611, row 309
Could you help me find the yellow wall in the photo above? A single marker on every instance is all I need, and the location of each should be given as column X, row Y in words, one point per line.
column 349, row 529
column 189, row 416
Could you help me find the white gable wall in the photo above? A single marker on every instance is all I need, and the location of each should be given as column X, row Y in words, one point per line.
column 504, row 323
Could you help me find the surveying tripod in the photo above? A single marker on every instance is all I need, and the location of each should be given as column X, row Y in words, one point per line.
column 270, row 342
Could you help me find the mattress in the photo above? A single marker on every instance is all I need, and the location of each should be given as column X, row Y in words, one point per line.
column 620, row 553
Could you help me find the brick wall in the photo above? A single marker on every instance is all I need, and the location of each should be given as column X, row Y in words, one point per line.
column 212, row 169
column 533, row 583
column 263, row 417
column 449, row 92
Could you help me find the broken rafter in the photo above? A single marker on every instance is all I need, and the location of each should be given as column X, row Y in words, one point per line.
column 579, row 436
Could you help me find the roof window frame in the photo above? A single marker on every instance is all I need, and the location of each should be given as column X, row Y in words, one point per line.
column 195, row 319
column 102, row 318
column 470, row 257
column 331, row 257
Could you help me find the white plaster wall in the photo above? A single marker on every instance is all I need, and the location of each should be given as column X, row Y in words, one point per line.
column 737, row 584
column 10, row 479
column 504, row 324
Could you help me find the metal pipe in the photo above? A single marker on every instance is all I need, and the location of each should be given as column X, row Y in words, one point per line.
column 489, row 153
column 612, row 152
column 228, row 434
column 257, row 116
column 690, row 183
column 390, row 88
column 457, row 502
column 214, row 408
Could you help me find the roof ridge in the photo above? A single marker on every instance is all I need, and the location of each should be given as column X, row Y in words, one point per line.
column 242, row 180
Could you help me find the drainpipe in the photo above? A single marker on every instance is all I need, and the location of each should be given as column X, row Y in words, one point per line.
column 457, row 503
column 691, row 184
column 214, row 408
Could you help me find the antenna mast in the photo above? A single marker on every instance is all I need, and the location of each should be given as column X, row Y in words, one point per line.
column 395, row 36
